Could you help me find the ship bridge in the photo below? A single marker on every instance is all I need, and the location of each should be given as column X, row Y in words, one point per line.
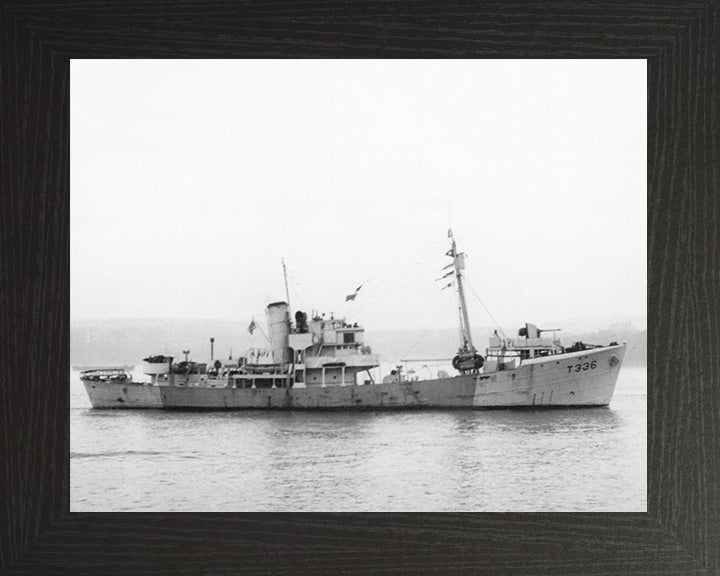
column 329, row 351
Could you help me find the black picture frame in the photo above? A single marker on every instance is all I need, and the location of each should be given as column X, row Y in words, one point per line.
column 680, row 533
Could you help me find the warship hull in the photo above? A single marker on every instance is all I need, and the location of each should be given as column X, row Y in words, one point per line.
column 577, row 379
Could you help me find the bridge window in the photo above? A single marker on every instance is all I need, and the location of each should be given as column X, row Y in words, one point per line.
column 349, row 337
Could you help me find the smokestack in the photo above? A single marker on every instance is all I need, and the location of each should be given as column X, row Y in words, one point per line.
column 279, row 327
column 212, row 349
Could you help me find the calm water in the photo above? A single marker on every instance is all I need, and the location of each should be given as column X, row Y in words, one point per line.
column 564, row 460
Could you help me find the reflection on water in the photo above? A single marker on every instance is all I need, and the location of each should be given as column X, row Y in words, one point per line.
column 497, row 460
column 541, row 421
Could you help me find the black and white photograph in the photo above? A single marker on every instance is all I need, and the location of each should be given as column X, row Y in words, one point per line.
column 358, row 285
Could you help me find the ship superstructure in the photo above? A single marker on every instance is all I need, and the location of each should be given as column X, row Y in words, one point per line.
column 309, row 353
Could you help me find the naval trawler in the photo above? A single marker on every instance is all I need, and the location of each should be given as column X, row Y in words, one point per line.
column 319, row 363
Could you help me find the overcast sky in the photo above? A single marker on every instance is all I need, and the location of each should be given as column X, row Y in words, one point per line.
column 191, row 180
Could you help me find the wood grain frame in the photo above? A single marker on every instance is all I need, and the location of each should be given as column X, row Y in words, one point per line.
column 680, row 534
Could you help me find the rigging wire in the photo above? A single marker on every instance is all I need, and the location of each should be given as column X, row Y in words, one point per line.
column 486, row 309
column 259, row 327
column 378, row 282
column 374, row 284
column 295, row 288
column 382, row 274
column 432, row 325
column 381, row 283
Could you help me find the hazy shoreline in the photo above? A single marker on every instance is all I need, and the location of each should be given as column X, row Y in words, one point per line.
column 95, row 342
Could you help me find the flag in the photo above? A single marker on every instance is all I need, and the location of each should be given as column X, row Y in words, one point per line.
column 252, row 326
column 352, row 296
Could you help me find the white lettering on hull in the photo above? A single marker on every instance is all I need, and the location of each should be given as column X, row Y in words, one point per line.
column 550, row 383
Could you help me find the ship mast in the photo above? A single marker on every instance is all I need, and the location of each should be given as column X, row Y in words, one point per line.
column 287, row 292
column 466, row 344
